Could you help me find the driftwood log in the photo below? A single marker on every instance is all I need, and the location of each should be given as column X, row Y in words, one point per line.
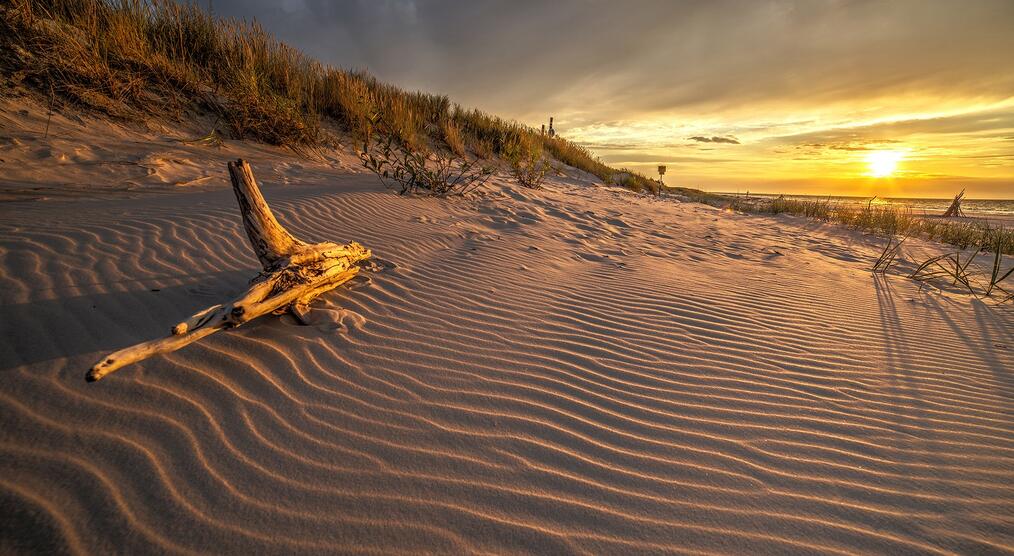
column 955, row 208
column 295, row 273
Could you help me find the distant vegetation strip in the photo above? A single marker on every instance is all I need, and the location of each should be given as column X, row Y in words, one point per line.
column 886, row 220
column 135, row 59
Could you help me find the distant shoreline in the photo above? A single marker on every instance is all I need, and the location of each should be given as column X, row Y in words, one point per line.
column 853, row 197
column 994, row 211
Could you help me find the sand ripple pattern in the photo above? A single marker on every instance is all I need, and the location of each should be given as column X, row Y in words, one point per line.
column 569, row 371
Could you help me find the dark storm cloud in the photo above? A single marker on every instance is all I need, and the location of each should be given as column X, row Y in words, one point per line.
column 597, row 59
column 714, row 139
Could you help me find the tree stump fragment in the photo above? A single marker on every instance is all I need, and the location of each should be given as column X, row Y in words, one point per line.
column 295, row 273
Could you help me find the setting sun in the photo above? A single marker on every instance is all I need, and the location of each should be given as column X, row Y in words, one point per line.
column 883, row 163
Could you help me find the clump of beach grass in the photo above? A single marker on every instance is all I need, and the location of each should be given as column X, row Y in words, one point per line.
column 452, row 136
column 996, row 274
column 978, row 282
column 957, row 267
column 525, row 161
column 888, row 255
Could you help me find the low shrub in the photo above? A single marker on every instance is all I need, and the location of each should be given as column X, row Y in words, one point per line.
column 419, row 171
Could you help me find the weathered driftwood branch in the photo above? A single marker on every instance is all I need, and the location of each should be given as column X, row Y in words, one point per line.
column 295, row 273
column 955, row 208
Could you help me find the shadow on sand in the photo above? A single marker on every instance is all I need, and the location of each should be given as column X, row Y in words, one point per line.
column 64, row 327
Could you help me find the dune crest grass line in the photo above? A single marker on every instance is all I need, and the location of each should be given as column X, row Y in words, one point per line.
column 141, row 59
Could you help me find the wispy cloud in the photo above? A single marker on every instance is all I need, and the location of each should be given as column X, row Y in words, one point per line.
column 714, row 139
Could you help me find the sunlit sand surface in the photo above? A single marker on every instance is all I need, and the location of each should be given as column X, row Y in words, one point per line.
column 577, row 369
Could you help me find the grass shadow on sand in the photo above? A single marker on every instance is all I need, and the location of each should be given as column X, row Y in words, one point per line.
column 990, row 341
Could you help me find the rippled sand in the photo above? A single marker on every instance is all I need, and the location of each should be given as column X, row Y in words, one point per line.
column 572, row 370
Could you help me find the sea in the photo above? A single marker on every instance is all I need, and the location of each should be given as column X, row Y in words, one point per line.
column 1002, row 209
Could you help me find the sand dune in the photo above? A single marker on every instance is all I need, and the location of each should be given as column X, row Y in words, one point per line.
column 571, row 370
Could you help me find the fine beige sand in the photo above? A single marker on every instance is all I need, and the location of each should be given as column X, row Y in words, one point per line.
column 574, row 370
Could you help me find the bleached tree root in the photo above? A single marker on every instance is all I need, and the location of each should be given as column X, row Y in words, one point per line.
column 295, row 273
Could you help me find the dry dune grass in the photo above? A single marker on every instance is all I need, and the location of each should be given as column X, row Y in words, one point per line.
column 133, row 59
column 900, row 220
column 886, row 220
column 979, row 282
column 526, row 163
column 452, row 137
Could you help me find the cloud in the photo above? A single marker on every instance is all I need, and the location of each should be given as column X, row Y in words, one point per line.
column 857, row 137
column 593, row 60
column 780, row 78
column 660, row 158
column 714, row 139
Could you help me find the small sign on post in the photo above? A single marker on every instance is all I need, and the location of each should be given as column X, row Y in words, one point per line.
column 661, row 172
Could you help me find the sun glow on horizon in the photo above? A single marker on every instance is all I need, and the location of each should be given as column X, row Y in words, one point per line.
column 834, row 150
column 883, row 163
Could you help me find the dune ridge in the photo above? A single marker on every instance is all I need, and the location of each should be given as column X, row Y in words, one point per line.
column 572, row 370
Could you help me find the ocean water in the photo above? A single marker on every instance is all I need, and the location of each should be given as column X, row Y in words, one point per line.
column 988, row 208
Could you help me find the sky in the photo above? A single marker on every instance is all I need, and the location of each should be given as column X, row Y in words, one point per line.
column 776, row 97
